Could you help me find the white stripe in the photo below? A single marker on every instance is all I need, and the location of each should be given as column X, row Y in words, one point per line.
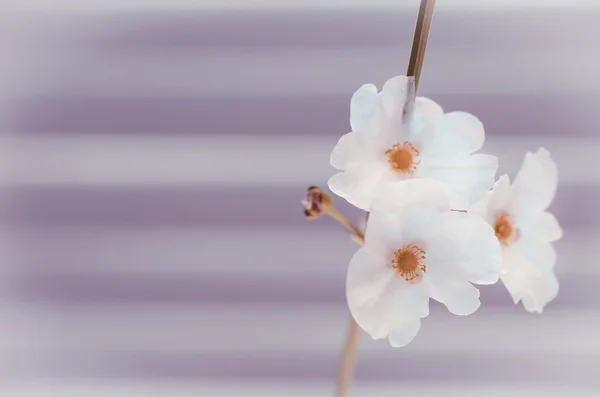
column 283, row 329
column 281, row 253
column 278, row 71
column 288, row 5
column 232, row 159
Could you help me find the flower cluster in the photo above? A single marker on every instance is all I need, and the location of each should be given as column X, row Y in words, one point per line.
column 438, row 222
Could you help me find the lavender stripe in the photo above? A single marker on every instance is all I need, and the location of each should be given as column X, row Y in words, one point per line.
column 405, row 368
column 576, row 291
column 158, row 206
column 575, row 206
column 526, row 115
column 328, row 30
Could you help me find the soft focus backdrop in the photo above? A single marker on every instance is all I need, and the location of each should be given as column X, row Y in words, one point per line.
column 153, row 155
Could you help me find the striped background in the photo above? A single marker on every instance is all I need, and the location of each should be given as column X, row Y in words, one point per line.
column 152, row 159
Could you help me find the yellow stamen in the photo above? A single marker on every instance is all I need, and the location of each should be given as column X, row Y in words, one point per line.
column 403, row 158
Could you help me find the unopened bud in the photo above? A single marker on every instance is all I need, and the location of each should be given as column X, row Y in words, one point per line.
column 315, row 203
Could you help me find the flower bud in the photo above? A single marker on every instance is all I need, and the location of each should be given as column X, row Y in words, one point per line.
column 315, row 203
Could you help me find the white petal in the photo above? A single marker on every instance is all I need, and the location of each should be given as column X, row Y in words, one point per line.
column 427, row 109
column 404, row 304
column 358, row 183
column 367, row 280
column 500, row 198
column 464, row 246
column 402, row 210
column 368, row 276
column 543, row 291
column 397, row 98
column 347, row 150
column 399, row 194
column 395, row 230
column 392, row 230
column 535, row 285
column 425, row 112
column 453, row 135
column 394, row 97
column 365, row 110
column 495, row 202
column 547, row 228
column 468, row 178
column 539, row 252
column 480, row 208
column 535, row 185
column 401, row 335
column 460, row 297
column 378, row 298
column 515, row 271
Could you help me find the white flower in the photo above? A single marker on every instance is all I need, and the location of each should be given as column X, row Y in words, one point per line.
column 526, row 230
column 385, row 145
column 416, row 249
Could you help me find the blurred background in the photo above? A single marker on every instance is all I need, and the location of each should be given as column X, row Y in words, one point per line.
column 153, row 155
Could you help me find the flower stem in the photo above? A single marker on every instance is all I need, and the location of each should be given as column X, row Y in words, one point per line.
column 417, row 53
column 335, row 214
column 348, row 361
column 415, row 64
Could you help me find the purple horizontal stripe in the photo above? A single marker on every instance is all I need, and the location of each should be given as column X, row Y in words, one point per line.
column 336, row 29
column 402, row 366
column 575, row 206
column 525, row 115
column 575, row 290
column 160, row 206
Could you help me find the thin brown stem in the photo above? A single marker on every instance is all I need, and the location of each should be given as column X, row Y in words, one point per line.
column 417, row 53
column 415, row 64
column 335, row 214
column 348, row 361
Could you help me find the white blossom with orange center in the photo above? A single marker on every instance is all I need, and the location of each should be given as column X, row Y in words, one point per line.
column 416, row 249
column 526, row 230
column 394, row 139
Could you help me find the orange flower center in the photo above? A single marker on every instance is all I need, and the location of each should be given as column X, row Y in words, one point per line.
column 505, row 232
column 402, row 158
column 408, row 262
